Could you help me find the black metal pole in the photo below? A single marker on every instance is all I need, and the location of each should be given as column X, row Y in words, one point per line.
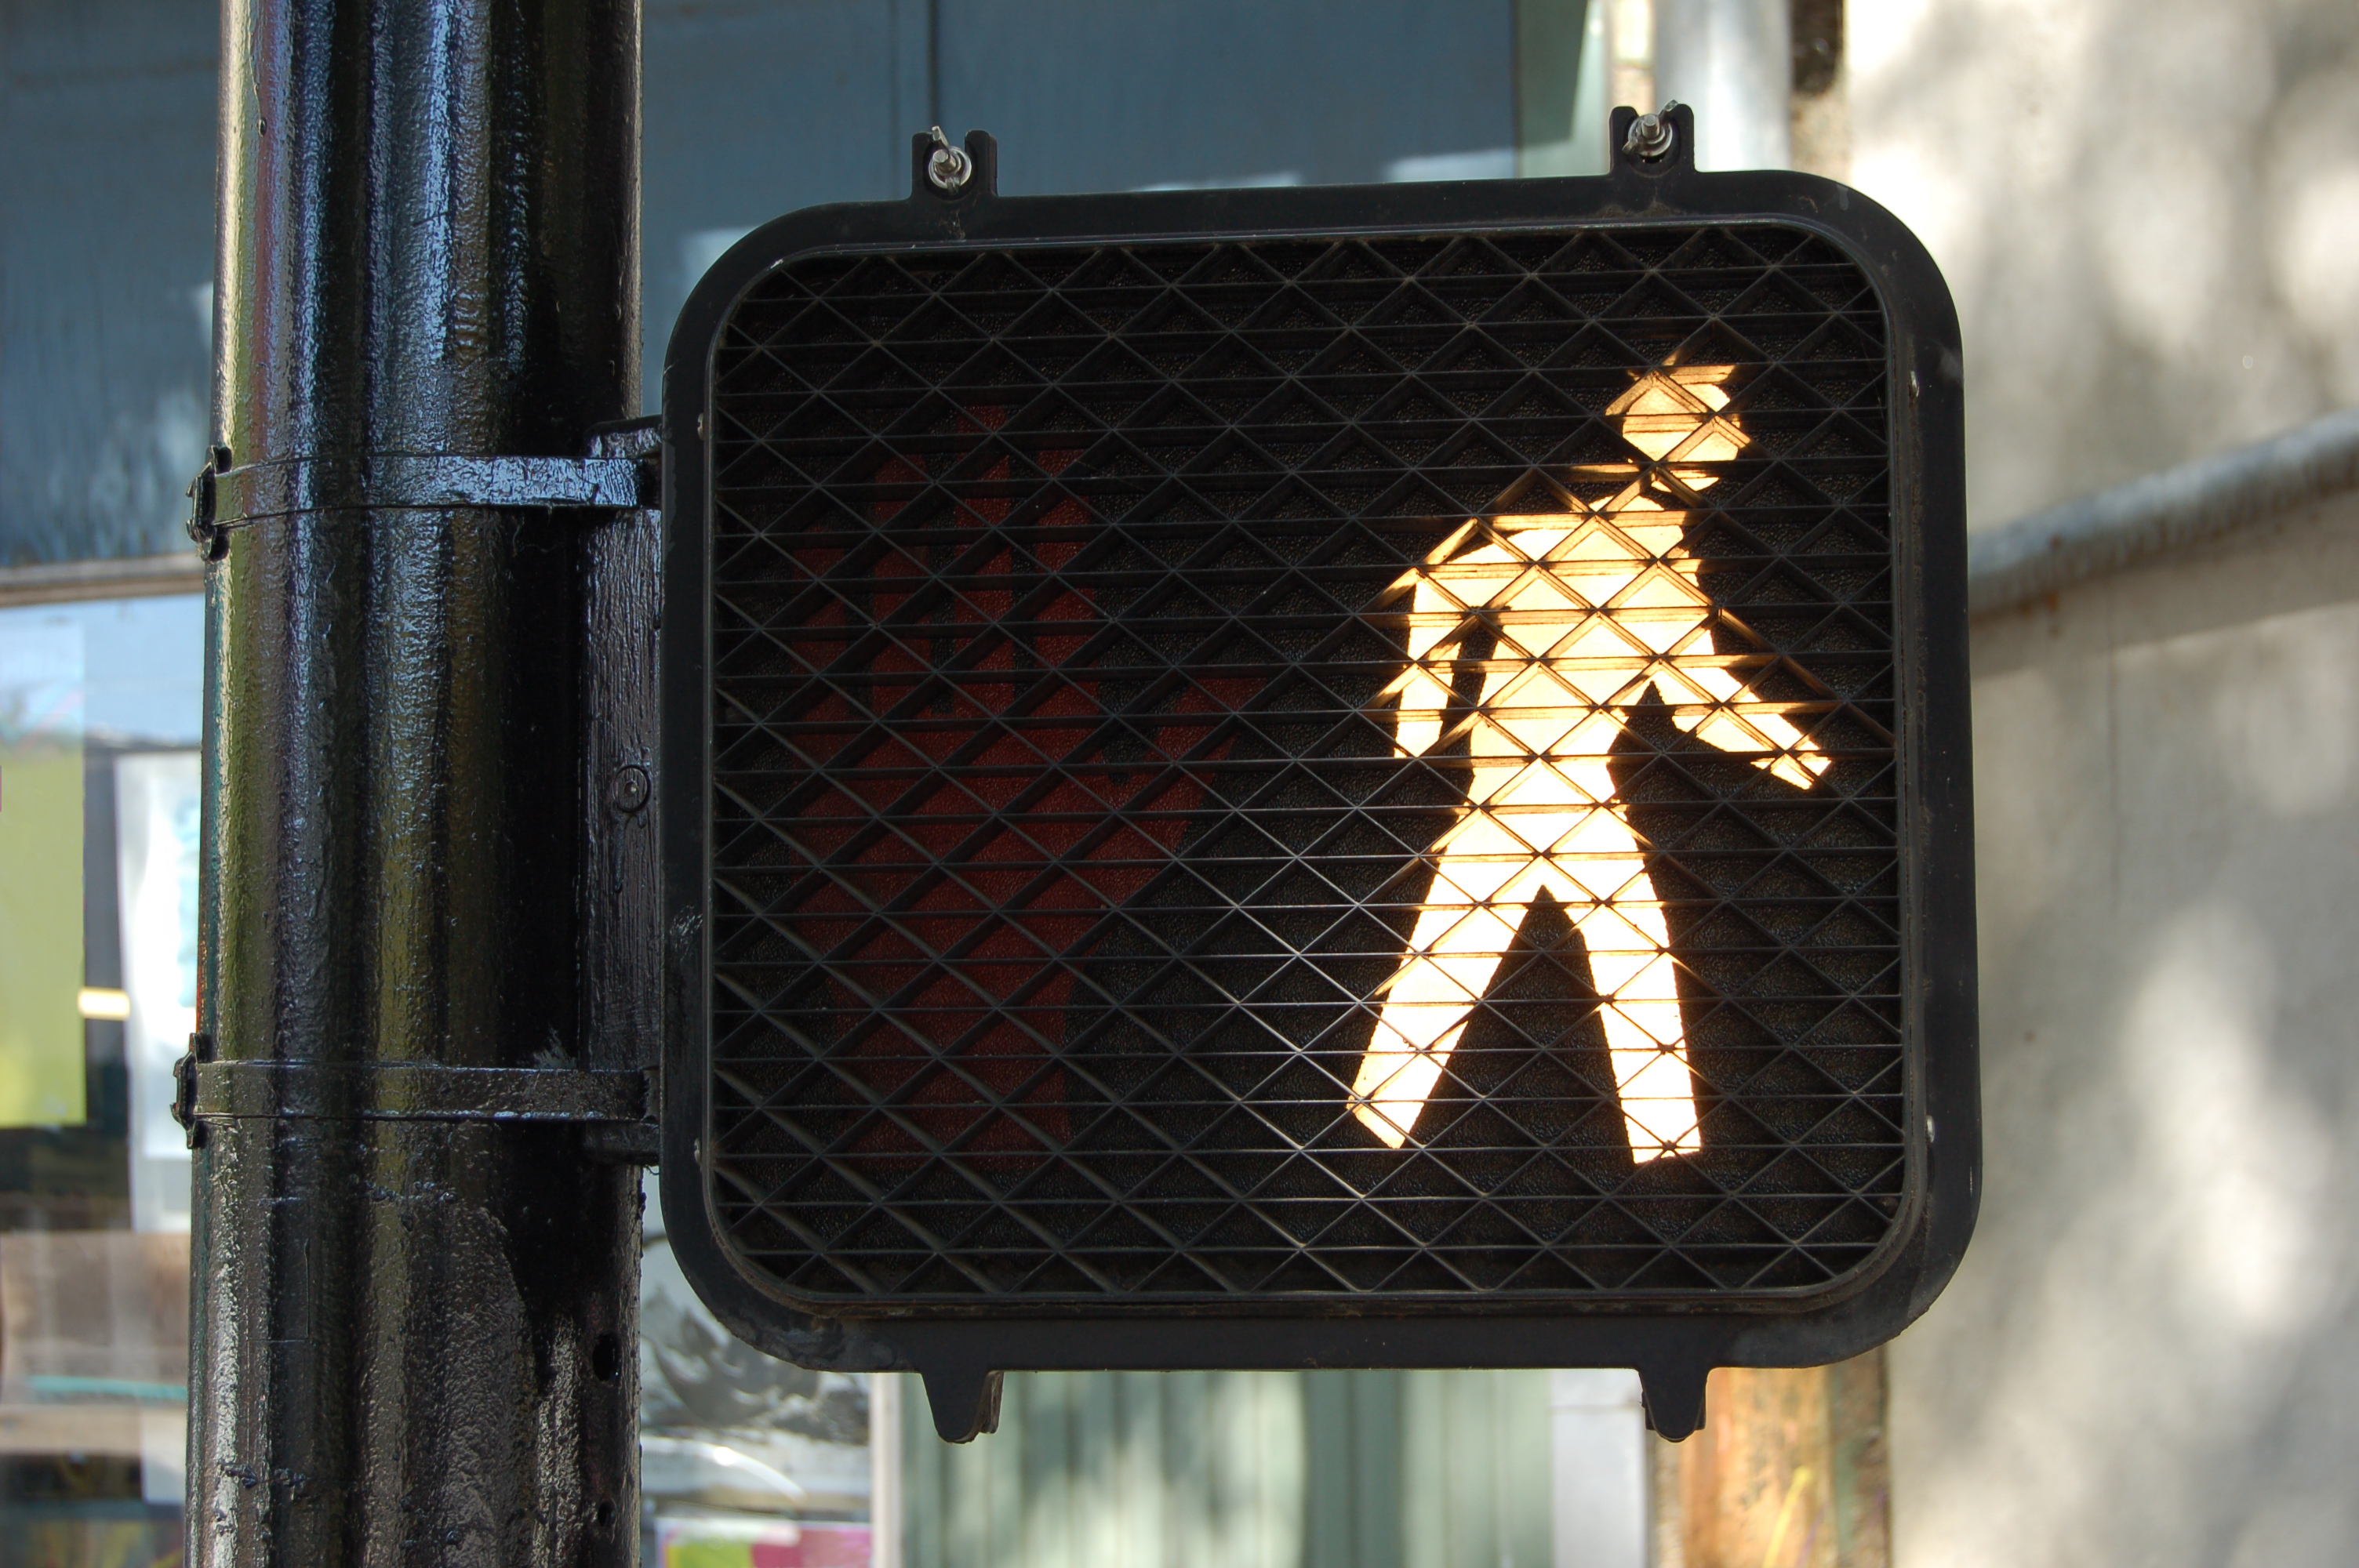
column 413, row 1339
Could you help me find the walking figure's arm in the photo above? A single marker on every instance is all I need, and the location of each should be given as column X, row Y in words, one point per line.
column 1442, row 600
column 1677, row 423
column 1795, row 756
column 1435, row 626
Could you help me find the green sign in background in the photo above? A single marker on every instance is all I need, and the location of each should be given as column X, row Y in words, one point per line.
column 42, row 1071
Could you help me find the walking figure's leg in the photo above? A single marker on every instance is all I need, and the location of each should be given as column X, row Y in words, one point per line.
column 1483, row 888
column 1492, row 868
column 1629, row 954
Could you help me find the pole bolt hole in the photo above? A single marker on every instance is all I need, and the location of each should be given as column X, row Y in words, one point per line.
column 628, row 790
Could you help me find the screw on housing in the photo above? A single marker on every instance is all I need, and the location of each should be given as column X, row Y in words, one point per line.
column 949, row 168
column 1651, row 135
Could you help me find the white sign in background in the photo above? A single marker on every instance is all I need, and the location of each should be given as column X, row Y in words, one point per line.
column 156, row 801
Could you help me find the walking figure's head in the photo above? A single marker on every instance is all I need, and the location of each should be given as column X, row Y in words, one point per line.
column 1674, row 416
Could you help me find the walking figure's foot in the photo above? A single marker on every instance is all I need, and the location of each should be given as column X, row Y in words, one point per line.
column 1393, row 1086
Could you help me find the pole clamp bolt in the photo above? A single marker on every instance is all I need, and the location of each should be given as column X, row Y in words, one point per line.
column 205, row 531
column 184, row 1088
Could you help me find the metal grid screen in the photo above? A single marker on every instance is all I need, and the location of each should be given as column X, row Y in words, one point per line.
column 1342, row 770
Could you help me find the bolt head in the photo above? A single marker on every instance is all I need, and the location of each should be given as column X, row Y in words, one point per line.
column 1650, row 136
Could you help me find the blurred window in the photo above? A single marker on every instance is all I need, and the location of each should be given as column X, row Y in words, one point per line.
column 101, row 706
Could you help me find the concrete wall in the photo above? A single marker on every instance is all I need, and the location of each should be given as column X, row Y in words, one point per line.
column 2146, row 210
column 2152, row 1354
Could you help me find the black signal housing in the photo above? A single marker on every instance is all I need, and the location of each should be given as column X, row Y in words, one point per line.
column 1040, row 852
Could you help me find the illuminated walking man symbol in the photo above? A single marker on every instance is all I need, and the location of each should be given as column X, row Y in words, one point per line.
column 1588, row 610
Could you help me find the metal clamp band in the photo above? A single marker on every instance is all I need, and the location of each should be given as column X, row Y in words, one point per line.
column 620, row 474
column 401, row 1091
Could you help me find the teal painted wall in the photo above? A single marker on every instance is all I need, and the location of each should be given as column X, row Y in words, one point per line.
column 752, row 108
column 1240, row 1470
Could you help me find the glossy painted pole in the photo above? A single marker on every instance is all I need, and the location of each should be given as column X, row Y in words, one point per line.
column 412, row 1341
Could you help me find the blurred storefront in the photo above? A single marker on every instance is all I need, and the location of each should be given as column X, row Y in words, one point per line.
column 99, row 701
column 751, row 110
column 745, row 1461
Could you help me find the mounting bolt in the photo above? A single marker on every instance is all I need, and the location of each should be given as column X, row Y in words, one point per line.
column 949, row 168
column 184, row 1096
column 210, row 539
column 1651, row 135
column 628, row 790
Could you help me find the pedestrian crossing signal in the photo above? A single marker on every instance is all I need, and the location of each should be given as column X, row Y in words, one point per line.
column 1319, row 777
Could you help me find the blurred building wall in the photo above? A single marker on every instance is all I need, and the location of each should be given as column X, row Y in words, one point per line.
column 2151, row 1353
column 754, row 108
column 1254, row 1469
column 106, row 246
column 2146, row 210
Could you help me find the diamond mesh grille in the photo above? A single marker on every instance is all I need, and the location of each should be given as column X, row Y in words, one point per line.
column 1314, row 770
